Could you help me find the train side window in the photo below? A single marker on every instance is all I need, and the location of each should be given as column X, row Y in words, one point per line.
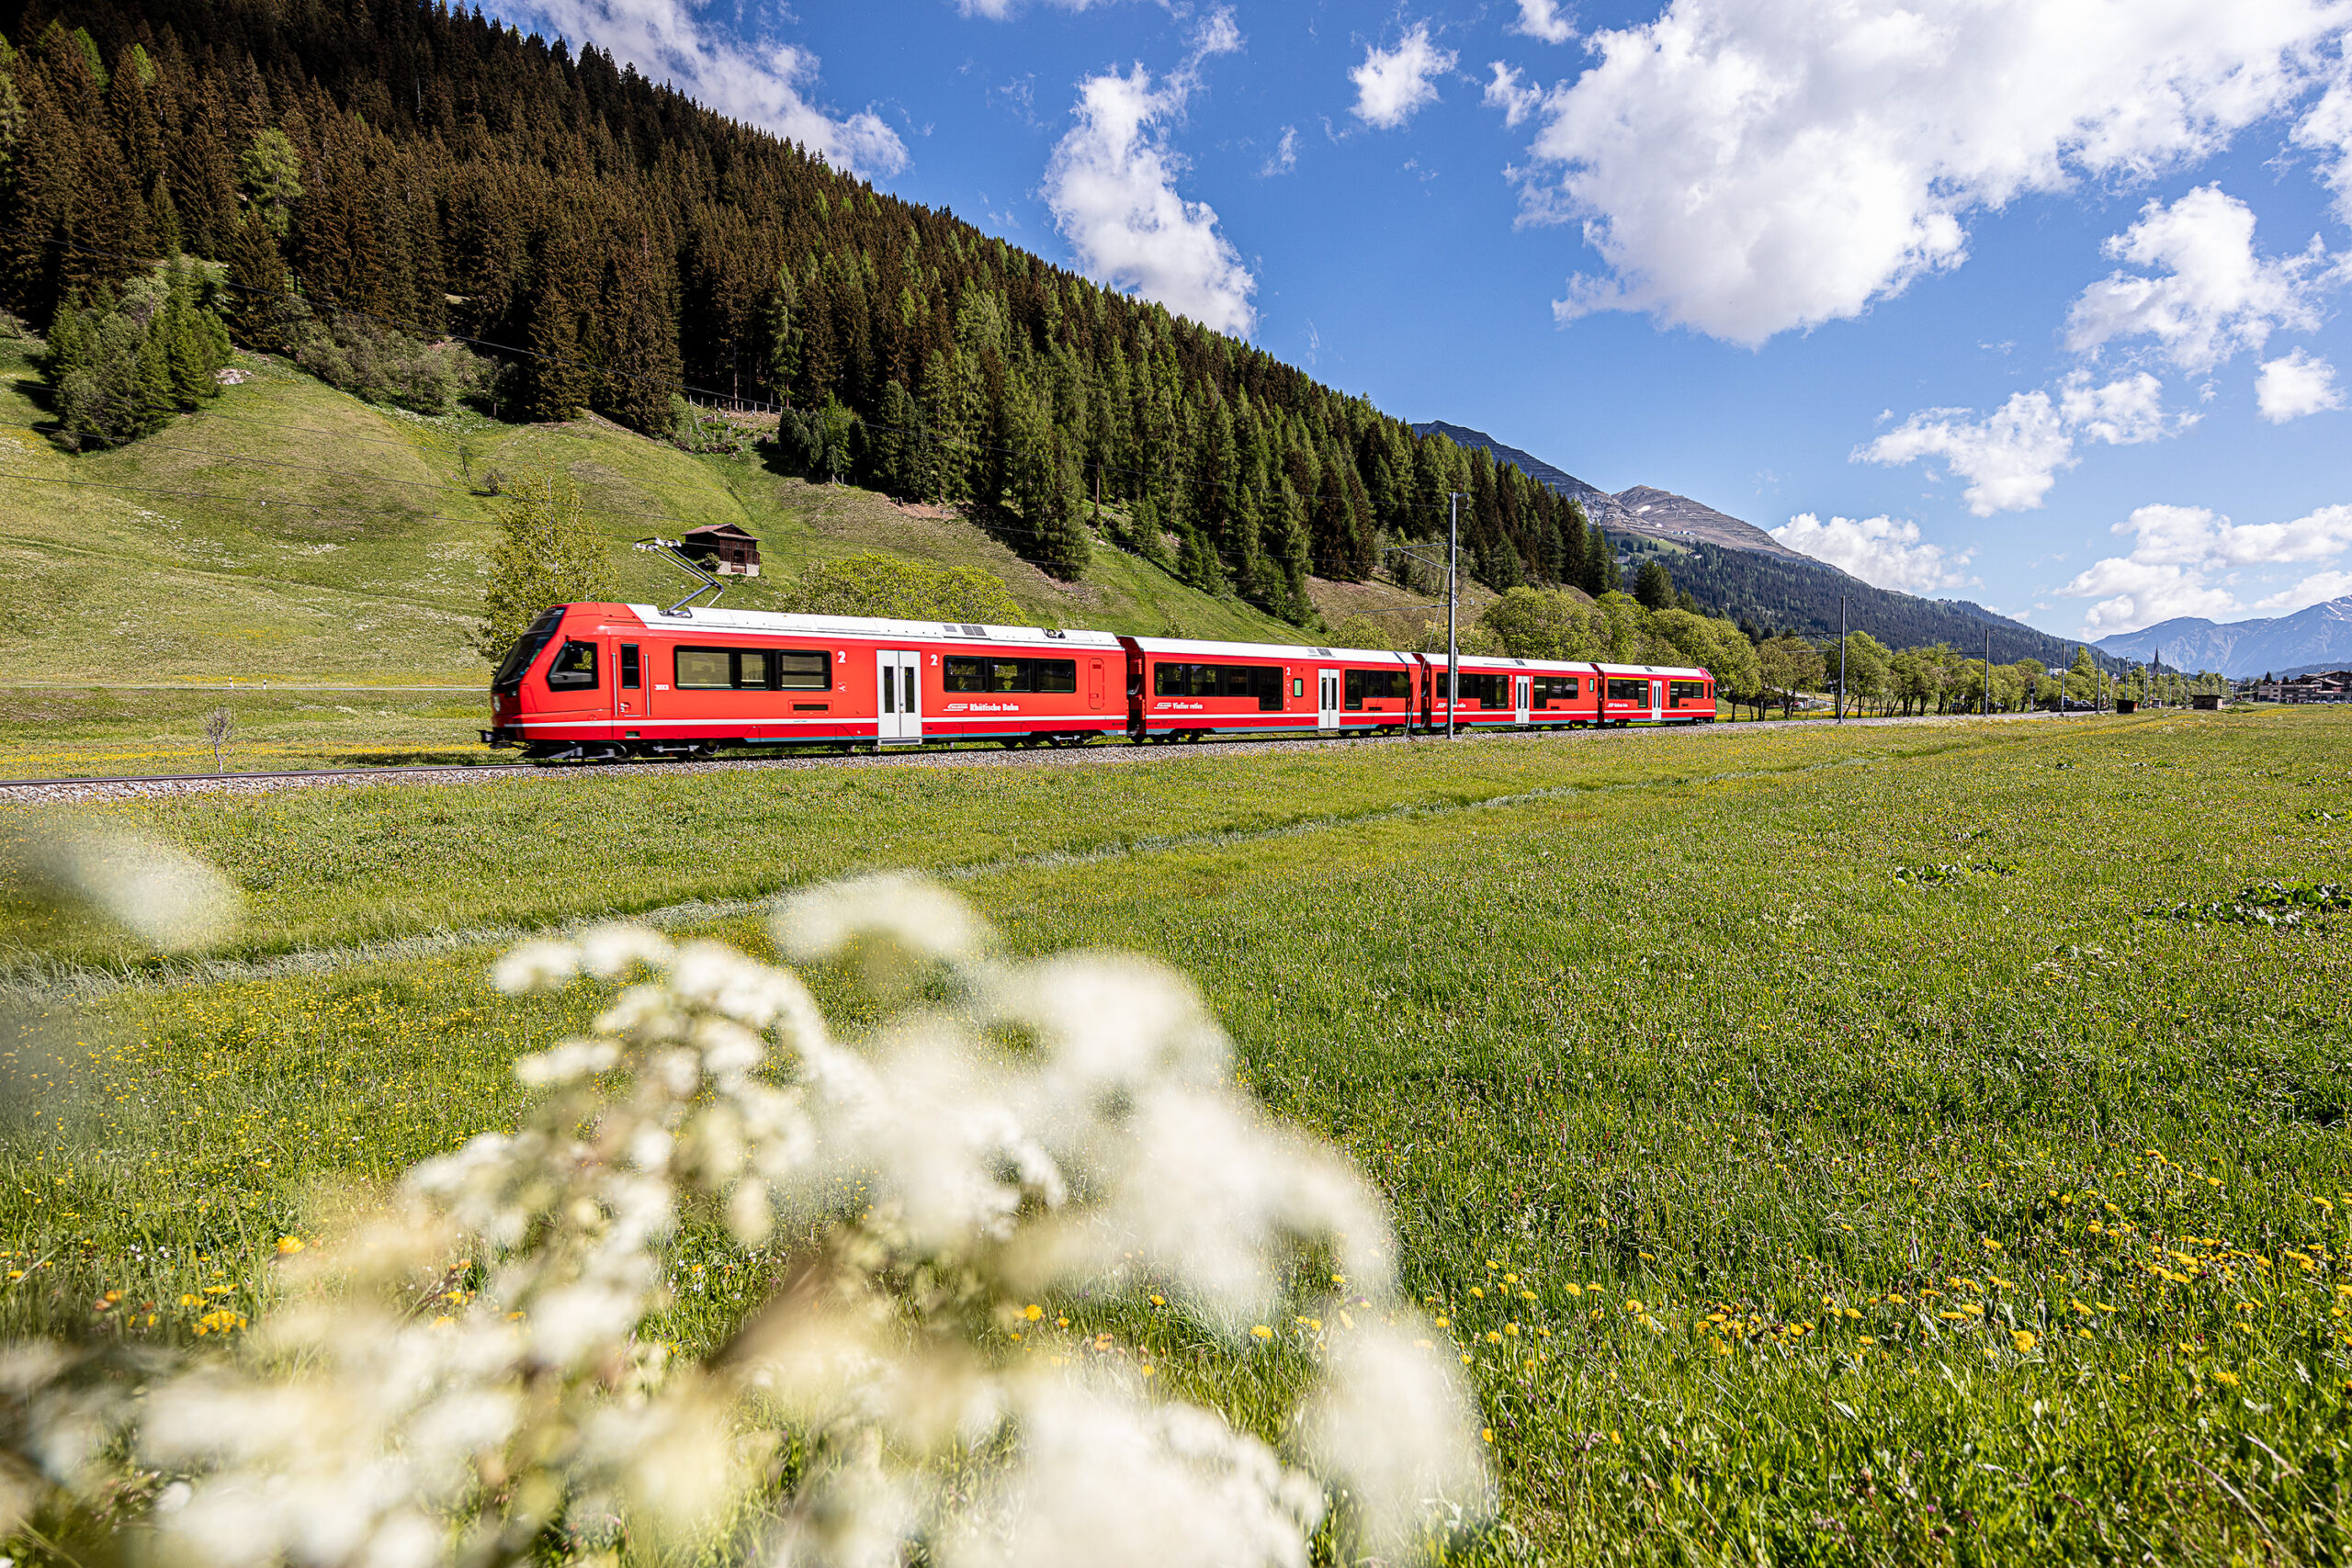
column 965, row 675
column 1298, row 685
column 1351, row 689
column 1266, row 685
column 803, row 669
column 574, row 667
column 752, row 670
column 630, row 682
column 1686, row 694
column 1630, row 692
column 1057, row 674
column 1008, row 675
column 704, row 670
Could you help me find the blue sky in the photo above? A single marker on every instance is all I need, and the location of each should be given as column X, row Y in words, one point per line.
column 2037, row 302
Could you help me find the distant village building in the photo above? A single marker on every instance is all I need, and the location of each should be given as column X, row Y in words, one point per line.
column 723, row 548
column 2319, row 686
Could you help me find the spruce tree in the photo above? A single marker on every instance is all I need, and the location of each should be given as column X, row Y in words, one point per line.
column 261, row 307
column 1654, row 585
column 555, row 380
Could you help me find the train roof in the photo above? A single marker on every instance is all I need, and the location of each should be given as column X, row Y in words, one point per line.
column 1295, row 652
column 772, row 624
column 1679, row 671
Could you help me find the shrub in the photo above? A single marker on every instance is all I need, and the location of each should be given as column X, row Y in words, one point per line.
column 120, row 366
column 381, row 364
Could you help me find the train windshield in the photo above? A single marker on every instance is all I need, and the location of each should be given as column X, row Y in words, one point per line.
column 509, row 679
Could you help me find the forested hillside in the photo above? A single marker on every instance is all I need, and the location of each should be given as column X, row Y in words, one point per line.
column 613, row 246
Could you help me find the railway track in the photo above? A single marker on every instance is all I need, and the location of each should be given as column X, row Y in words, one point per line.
column 135, row 786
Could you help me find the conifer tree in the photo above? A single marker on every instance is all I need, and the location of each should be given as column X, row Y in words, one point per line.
column 261, row 308
column 555, row 378
column 1654, row 585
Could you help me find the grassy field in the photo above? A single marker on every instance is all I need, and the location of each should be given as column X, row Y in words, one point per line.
column 291, row 531
column 1818, row 1149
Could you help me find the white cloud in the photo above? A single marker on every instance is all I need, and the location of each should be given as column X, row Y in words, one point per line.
column 2295, row 386
column 1541, row 19
column 2213, row 296
column 1885, row 551
column 1284, row 157
column 2316, row 588
column 2177, row 552
column 765, row 85
column 2327, row 129
column 1507, row 93
column 1748, row 167
column 2012, row 455
column 1392, row 84
column 999, row 10
column 1112, row 186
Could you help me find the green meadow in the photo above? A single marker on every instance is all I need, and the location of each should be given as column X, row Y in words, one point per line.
column 1822, row 1147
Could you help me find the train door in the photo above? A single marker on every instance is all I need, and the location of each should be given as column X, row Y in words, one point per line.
column 1658, row 701
column 897, row 684
column 1328, row 687
column 1524, row 690
column 1095, row 685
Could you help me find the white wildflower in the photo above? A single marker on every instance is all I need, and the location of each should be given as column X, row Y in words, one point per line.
column 925, row 920
column 536, row 967
column 160, row 893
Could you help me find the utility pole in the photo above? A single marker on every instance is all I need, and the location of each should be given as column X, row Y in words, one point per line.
column 1841, row 659
column 1453, row 605
column 1984, row 710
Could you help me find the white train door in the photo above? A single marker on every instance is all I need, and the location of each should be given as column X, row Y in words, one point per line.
column 897, row 687
column 1658, row 701
column 1328, row 687
column 1524, row 690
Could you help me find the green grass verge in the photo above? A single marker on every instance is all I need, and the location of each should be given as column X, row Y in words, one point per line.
column 1964, row 1215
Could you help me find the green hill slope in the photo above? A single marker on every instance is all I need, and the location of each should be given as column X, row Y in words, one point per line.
column 293, row 532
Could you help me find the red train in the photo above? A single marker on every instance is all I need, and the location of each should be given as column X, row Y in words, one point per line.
column 592, row 681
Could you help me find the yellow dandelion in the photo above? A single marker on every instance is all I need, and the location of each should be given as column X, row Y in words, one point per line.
column 1262, row 1332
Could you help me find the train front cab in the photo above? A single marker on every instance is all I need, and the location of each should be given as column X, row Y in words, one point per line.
column 591, row 682
column 1180, row 689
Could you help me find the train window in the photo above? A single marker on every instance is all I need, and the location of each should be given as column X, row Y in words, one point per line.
column 802, row 670
column 1377, row 684
column 1352, row 690
column 1686, row 694
column 1049, row 675
column 629, row 681
column 1494, row 691
column 509, row 678
column 1550, row 689
column 1630, row 692
column 1298, row 685
column 574, row 667
column 749, row 668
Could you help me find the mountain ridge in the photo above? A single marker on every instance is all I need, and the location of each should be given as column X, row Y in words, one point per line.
column 2319, row 637
column 1735, row 569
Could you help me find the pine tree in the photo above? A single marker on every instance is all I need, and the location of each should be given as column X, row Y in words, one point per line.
column 261, row 307
column 1654, row 585
column 545, row 554
column 555, row 380
column 1601, row 574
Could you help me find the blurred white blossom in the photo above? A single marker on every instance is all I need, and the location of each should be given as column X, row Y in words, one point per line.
column 161, row 894
column 1050, row 1131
